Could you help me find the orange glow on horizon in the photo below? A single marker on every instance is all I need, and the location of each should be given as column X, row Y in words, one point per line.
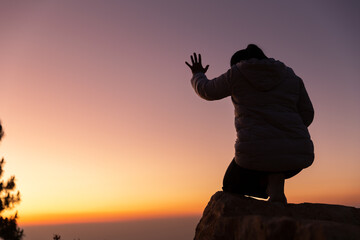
column 88, row 217
column 168, row 211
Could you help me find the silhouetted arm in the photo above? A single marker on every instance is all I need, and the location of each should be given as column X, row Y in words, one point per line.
column 305, row 106
column 214, row 89
column 208, row 89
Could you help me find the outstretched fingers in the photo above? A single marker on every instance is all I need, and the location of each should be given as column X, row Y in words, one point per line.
column 195, row 57
column 206, row 68
column 196, row 64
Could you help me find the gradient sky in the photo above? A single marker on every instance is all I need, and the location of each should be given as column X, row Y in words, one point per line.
column 102, row 123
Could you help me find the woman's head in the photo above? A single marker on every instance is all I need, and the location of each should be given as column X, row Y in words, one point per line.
column 251, row 51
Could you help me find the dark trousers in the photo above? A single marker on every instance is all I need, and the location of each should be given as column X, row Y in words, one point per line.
column 248, row 182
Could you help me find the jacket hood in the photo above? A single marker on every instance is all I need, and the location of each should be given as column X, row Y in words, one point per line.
column 264, row 74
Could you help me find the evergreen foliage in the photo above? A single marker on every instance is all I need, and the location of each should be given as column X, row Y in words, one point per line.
column 8, row 198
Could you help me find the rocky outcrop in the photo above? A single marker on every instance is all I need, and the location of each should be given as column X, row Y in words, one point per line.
column 230, row 216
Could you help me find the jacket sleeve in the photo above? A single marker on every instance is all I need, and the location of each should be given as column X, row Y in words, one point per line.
column 214, row 89
column 305, row 106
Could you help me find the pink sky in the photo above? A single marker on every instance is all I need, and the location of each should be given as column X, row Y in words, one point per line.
column 101, row 121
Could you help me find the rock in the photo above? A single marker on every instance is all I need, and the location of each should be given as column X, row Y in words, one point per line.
column 235, row 217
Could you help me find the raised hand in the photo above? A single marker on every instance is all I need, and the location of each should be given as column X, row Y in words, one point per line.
column 196, row 66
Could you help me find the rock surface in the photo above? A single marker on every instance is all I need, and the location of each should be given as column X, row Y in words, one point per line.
column 230, row 216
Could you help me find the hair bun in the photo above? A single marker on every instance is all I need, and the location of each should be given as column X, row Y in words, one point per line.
column 252, row 47
column 251, row 51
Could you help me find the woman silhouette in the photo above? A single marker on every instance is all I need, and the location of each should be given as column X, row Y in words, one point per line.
column 272, row 113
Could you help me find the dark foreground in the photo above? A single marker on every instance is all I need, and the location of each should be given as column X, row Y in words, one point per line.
column 235, row 217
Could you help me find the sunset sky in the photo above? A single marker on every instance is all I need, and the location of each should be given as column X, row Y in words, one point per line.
column 102, row 123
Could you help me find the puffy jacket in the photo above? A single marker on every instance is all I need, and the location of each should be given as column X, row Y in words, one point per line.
column 272, row 113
